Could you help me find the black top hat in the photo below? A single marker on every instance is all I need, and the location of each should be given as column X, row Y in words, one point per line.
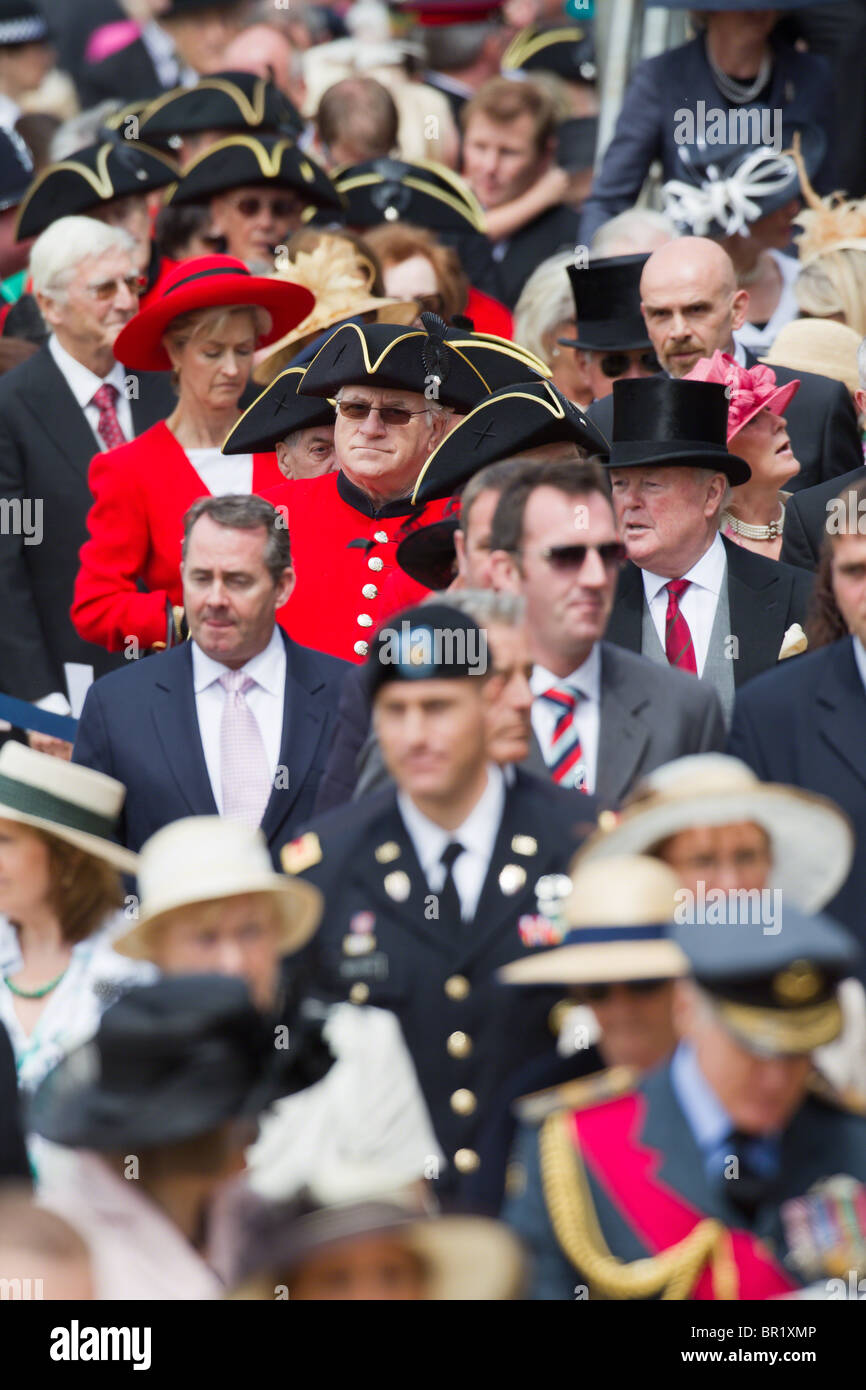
column 607, row 297
column 278, row 411
column 21, row 22
column 428, row 554
column 240, row 160
column 229, row 101
column 169, row 1061
column 114, row 168
column 659, row 420
column 391, row 190
column 431, row 641
column 16, row 168
column 508, row 422
column 569, row 51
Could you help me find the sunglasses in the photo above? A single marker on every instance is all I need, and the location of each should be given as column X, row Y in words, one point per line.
column 567, row 557
column 615, row 364
column 432, row 303
column 388, row 414
column 107, row 289
column 279, row 207
column 596, row 994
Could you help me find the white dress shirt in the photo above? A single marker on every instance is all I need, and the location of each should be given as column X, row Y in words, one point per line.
column 265, row 699
column 860, row 660
column 477, row 835
column 163, row 54
column 83, row 383
column 698, row 604
column 587, row 714
column 222, row 473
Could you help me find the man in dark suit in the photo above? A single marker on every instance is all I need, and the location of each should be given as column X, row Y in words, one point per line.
column 692, row 307
column 810, row 516
column 431, row 887
column 689, row 597
column 51, row 425
column 238, row 720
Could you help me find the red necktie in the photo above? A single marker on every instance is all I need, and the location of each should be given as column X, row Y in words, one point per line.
column 108, row 425
column 679, row 648
column 565, row 757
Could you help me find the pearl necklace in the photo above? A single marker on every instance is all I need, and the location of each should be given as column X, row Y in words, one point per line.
column 756, row 533
column 737, row 92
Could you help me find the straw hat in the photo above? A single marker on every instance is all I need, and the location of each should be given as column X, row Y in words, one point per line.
column 618, row 914
column 73, row 803
column 202, row 859
column 812, row 841
column 818, row 345
column 341, row 278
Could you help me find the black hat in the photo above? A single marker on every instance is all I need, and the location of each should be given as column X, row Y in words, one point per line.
column 773, row 984
column 425, row 194
column 278, row 411
column 569, row 51
column 169, row 1061
column 501, row 362
column 16, row 168
column 731, row 5
column 428, row 553
column 114, row 168
column 240, row 160
column 22, row 22
column 660, row 420
column 229, row 101
column 607, row 298
column 509, row 422
column 429, row 642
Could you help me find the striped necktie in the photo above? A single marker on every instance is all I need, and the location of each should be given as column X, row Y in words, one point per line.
column 564, row 756
column 679, row 647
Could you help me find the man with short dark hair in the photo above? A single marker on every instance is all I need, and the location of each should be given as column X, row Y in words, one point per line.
column 238, row 720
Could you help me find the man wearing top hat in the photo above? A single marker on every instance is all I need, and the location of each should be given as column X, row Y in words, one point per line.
column 730, row 1172
column 689, row 597
column 431, row 885
column 612, row 337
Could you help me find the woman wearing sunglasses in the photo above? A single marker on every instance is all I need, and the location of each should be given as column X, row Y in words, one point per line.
column 203, row 323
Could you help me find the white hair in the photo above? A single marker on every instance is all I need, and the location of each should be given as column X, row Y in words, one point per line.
column 81, row 130
column 58, row 252
column 631, row 232
column 861, row 363
column 545, row 301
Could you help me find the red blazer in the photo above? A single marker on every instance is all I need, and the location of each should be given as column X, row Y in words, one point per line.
column 140, row 494
column 348, row 580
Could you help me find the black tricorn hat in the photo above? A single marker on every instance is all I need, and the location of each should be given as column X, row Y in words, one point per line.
column 169, row 1061
column 276, row 412
column 240, row 160
column 392, row 190
column 508, row 422
column 567, row 50
column 229, row 101
column 607, row 298
column 661, row 421
column 428, row 554
column 113, row 168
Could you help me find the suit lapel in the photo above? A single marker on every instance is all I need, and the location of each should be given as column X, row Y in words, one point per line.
column 176, row 723
column 622, row 736
column 303, row 722
column 625, row 628
column 758, row 601
column 840, row 708
column 56, row 411
column 534, row 761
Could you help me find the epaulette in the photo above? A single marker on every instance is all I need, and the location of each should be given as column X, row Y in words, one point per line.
column 579, row 1094
column 844, row 1098
column 301, row 854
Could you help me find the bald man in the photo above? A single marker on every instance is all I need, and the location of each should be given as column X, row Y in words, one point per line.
column 691, row 305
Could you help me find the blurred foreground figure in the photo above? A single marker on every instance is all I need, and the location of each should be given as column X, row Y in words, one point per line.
column 41, row 1255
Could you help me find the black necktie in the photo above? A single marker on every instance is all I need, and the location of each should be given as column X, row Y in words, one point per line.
column 450, row 910
column 756, row 1173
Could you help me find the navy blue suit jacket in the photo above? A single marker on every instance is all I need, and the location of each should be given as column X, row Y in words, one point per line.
column 803, row 724
column 140, row 725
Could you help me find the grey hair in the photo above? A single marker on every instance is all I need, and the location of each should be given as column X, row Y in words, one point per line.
column 706, row 474
column 631, row 232
column 486, row 606
column 246, row 512
column 861, row 363
column 545, row 301
column 81, row 130
column 450, row 47
column 58, row 252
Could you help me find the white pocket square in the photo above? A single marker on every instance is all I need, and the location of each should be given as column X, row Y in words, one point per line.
column 794, row 642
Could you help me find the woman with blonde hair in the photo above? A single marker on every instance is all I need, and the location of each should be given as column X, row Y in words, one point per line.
column 544, row 314
column 832, row 253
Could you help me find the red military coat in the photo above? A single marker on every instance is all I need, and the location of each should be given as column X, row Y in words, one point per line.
column 141, row 492
column 343, row 553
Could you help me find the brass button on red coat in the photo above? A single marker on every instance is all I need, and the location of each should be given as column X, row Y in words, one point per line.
column 361, row 648
column 380, row 536
column 370, row 591
column 364, row 620
column 374, row 563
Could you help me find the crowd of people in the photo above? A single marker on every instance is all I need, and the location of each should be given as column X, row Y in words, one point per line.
column 432, row 653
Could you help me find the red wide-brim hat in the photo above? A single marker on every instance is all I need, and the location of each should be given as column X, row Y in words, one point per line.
column 208, row 282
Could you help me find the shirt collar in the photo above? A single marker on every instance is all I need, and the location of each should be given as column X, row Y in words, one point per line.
column 707, row 1118
column 477, row 833
column 82, row 382
column 586, row 679
column 266, row 668
column 354, row 497
column 707, row 573
column 860, row 659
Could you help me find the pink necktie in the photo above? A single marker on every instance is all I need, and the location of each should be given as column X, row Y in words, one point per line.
column 245, row 775
column 108, row 425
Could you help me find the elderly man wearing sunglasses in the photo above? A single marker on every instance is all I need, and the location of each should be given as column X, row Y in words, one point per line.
column 612, row 339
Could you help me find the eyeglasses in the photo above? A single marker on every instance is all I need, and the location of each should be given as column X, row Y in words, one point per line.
column 388, row 414
column 596, row 994
column 615, row 364
column 567, row 557
column 432, row 303
column 107, row 289
column 279, row 207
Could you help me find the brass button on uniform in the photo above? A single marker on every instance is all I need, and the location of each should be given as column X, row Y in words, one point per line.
column 380, row 536
column 459, row 1045
column 374, row 563
column 364, row 620
column 466, row 1161
column 361, row 648
column 464, row 1102
column 370, row 591
column 457, row 986
column 359, row 994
